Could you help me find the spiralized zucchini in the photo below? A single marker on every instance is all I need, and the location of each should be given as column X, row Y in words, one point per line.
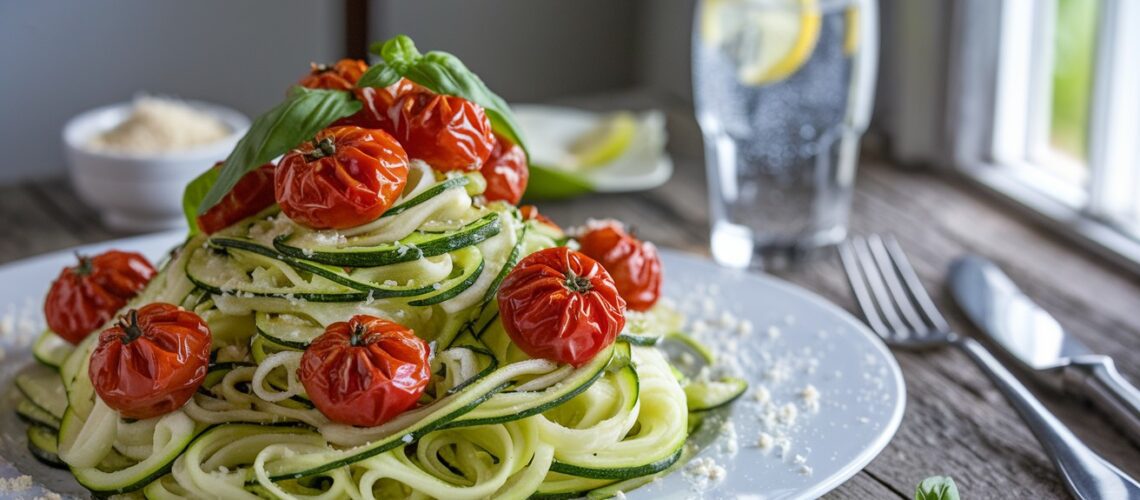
column 493, row 423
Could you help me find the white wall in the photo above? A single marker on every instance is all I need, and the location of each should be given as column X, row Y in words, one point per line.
column 61, row 57
column 527, row 50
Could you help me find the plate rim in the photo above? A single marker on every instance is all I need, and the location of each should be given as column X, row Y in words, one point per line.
column 871, row 451
column 883, row 439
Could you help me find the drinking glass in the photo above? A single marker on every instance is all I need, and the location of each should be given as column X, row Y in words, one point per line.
column 783, row 91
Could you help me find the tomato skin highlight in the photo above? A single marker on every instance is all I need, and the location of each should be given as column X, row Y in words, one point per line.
column 365, row 371
column 86, row 296
column 634, row 264
column 447, row 132
column 561, row 305
column 152, row 361
column 342, row 75
column 347, row 176
column 506, row 172
column 378, row 104
column 252, row 194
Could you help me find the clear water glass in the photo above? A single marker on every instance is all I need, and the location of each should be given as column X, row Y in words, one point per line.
column 783, row 92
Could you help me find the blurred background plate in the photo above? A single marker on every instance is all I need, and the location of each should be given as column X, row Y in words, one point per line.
column 573, row 151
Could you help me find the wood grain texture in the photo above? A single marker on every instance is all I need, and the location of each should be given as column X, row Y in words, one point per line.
column 956, row 423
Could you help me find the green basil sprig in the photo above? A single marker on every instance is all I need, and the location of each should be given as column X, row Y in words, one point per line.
column 194, row 194
column 441, row 73
column 304, row 113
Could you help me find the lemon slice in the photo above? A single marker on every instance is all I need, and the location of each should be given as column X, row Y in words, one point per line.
column 768, row 42
column 851, row 38
column 604, row 143
column 784, row 39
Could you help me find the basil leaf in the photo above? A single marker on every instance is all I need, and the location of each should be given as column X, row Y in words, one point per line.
column 444, row 73
column 936, row 488
column 380, row 75
column 194, row 194
column 304, row 113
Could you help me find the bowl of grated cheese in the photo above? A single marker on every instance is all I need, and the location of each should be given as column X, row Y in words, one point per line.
column 132, row 160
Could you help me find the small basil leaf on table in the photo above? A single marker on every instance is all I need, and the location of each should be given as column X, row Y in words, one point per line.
column 936, row 488
column 441, row 73
column 304, row 113
column 194, row 194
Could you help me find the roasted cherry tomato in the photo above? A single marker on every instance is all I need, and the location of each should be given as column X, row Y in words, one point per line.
column 379, row 102
column 87, row 295
column 506, row 172
column 341, row 76
column 447, row 132
column 561, row 305
column 345, row 177
column 634, row 264
column 152, row 361
column 365, row 371
column 252, row 194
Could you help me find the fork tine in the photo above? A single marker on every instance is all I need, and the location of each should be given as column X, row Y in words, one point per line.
column 879, row 289
column 858, row 280
column 859, row 289
column 891, row 277
column 915, row 285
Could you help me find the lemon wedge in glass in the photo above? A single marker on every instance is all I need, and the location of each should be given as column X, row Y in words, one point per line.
column 768, row 40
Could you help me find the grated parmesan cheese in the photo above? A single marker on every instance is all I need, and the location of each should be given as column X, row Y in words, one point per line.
column 157, row 125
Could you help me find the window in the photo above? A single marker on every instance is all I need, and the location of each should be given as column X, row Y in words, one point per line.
column 1044, row 108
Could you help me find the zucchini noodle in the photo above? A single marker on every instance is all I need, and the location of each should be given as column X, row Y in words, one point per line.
column 493, row 423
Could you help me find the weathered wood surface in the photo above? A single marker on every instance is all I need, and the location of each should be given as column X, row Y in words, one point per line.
column 956, row 422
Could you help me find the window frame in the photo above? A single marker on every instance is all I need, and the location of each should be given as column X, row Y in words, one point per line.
column 999, row 115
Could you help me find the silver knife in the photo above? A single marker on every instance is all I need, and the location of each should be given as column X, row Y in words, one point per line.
column 1027, row 332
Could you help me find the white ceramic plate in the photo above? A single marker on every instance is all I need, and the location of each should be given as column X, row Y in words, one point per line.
column 550, row 130
column 790, row 339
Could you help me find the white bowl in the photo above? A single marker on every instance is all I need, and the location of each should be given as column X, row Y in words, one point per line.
column 140, row 192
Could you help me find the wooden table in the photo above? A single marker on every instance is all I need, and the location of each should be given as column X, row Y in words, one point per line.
column 956, row 423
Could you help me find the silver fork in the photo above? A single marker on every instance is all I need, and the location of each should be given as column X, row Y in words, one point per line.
column 899, row 310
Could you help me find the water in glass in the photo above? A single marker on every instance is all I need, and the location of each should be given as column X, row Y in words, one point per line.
column 782, row 91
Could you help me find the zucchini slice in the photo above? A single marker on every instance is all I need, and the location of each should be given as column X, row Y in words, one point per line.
column 640, row 339
column 508, row 406
column 469, row 265
column 405, row 428
column 177, row 427
column 34, row 415
column 413, row 247
column 659, row 436
column 705, row 396
column 332, row 273
column 43, row 444
column 50, row 349
column 428, row 194
column 288, row 330
column 236, row 271
column 512, row 260
column 44, row 389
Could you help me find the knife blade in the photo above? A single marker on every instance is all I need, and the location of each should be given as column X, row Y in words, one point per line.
column 995, row 304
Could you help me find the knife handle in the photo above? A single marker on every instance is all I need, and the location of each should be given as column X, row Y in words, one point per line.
column 1087, row 475
column 1095, row 377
